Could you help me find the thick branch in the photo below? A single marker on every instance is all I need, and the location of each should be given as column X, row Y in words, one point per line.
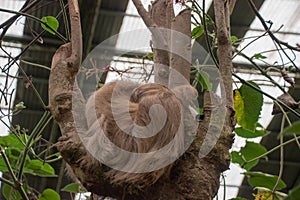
column 160, row 13
column 224, row 47
column 181, row 54
column 76, row 35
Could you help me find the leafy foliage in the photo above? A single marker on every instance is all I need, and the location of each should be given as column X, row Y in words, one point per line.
column 203, row 79
column 74, row 187
column 259, row 179
column 12, row 141
column 258, row 56
column 294, row 194
column 49, row 194
column 250, row 151
column 197, row 31
column 51, row 22
column 248, row 104
column 249, row 134
column 245, row 133
column 10, row 193
column 14, row 149
column 20, row 105
column 293, row 129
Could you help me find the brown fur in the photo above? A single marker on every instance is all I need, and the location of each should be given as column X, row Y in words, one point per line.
column 141, row 99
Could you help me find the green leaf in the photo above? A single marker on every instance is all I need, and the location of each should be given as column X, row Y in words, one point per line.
column 249, row 151
column 20, row 106
column 13, row 155
column 49, row 194
column 10, row 193
column 150, row 56
column 259, row 179
column 208, row 20
column 293, row 194
column 203, row 79
column 3, row 166
column 38, row 168
column 258, row 56
column 197, row 31
column 233, row 38
column 247, row 104
column 249, row 134
column 51, row 22
column 11, row 140
column 236, row 157
column 74, row 187
column 252, row 150
column 294, row 128
column 238, row 198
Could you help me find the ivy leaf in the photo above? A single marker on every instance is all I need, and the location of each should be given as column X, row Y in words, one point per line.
column 74, row 187
column 203, row 79
column 49, row 194
column 197, row 32
column 259, row 179
column 51, row 22
column 248, row 104
column 294, row 194
column 294, row 128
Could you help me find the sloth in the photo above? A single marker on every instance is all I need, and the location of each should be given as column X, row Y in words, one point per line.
column 137, row 131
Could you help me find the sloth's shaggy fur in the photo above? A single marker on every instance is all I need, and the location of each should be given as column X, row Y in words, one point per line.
column 118, row 111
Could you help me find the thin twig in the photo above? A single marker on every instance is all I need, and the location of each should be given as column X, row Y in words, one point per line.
column 25, row 8
column 262, row 71
column 281, row 154
column 261, row 19
column 36, row 65
column 3, row 180
column 273, row 37
column 272, row 150
column 37, row 131
column 76, row 35
column 28, row 79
